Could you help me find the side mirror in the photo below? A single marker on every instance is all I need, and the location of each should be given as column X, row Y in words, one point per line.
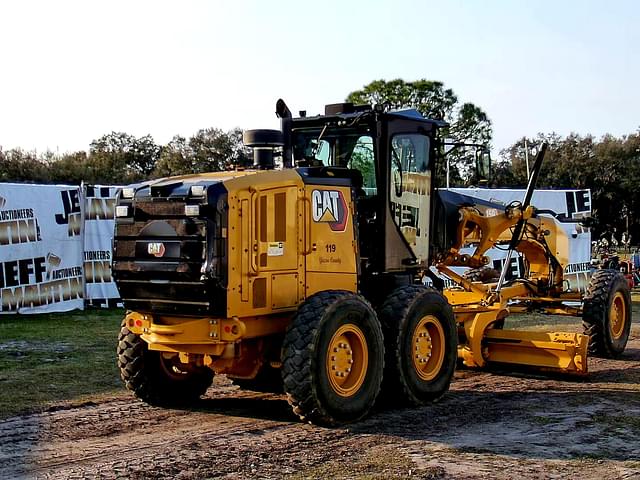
column 483, row 165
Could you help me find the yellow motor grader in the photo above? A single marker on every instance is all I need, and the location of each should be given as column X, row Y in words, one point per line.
column 310, row 277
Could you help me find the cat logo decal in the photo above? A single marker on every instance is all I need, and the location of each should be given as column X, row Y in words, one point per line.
column 156, row 249
column 329, row 206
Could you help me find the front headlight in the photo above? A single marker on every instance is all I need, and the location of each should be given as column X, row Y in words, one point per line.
column 128, row 192
column 197, row 190
column 192, row 210
column 122, row 211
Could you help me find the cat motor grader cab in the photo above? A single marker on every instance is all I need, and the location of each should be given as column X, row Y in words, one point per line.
column 310, row 278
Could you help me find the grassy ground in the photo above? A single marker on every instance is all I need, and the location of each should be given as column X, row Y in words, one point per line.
column 539, row 321
column 48, row 358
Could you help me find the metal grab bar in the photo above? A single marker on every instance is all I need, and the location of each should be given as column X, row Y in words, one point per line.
column 306, row 221
column 254, row 268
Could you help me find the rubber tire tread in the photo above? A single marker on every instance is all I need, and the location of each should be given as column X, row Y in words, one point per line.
column 141, row 372
column 394, row 318
column 298, row 350
column 595, row 313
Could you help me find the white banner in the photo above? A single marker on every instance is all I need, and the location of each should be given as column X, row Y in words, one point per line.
column 569, row 207
column 51, row 260
column 40, row 248
column 99, row 223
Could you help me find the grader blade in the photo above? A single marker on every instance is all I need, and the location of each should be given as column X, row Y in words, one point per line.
column 555, row 351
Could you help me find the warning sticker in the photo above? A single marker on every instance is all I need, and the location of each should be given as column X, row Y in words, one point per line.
column 276, row 249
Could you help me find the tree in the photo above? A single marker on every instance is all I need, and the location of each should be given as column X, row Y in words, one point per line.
column 468, row 123
column 175, row 158
column 16, row 165
column 214, row 150
column 123, row 156
column 209, row 150
column 240, row 154
column 75, row 168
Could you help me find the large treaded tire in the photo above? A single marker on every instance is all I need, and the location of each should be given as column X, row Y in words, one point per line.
column 151, row 377
column 401, row 315
column 606, row 313
column 307, row 352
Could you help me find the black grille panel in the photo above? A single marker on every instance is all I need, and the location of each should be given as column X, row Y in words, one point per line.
column 166, row 262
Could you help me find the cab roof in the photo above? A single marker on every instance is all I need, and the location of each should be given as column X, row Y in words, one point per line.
column 364, row 110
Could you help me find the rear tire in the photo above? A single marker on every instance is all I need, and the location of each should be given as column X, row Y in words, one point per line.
column 155, row 379
column 421, row 344
column 606, row 313
column 333, row 358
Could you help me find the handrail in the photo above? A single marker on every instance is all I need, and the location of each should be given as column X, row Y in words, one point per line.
column 254, row 269
column 306, row 220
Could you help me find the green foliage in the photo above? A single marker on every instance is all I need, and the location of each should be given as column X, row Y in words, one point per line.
column 428, row 97
column 17, row 164
column 362, row 159
column 467, row 122
column 120, row 158
column 125, row 156
column 174, row 158
column 209, row 150
column 214, row 150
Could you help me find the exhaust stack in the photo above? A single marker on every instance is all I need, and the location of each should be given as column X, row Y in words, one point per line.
column 284, row 114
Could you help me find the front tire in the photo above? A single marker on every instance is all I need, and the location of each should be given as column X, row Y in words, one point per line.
column 606, row 313
column 333, row 358
column 155, row 379
column 421, row 345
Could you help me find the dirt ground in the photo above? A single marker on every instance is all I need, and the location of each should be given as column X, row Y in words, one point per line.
column 490, row 425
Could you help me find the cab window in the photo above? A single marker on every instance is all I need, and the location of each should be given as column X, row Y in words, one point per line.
column 362, row 159
column 338, row 147
column 410, row 188
column 412, row 152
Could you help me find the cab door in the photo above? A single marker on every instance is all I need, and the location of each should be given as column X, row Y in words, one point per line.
column 407, row 148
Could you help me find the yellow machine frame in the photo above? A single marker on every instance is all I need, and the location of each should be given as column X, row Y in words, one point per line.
column 278, row 257
column 478, row 307
column 284, row 257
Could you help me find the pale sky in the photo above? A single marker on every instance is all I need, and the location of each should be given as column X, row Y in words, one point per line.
column 73, row 71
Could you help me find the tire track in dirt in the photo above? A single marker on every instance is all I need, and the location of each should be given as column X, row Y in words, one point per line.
column 490, row 425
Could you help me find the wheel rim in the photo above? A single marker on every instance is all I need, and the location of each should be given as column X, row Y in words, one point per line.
column 617, row 315
column 428, row 347
column 347, row 360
